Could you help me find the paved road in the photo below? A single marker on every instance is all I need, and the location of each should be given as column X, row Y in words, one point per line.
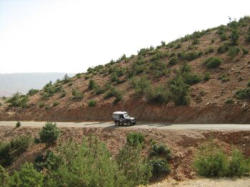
column 34, row 124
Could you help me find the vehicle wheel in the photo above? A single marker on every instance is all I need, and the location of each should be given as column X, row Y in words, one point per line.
column 130, row 123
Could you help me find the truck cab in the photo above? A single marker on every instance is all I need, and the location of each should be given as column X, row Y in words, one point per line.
column 122, row 118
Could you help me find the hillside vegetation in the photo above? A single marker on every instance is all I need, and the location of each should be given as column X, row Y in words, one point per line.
column 210, row 67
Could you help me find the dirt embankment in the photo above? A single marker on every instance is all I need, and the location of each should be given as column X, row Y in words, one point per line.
column 142, row 111
column 183, row 143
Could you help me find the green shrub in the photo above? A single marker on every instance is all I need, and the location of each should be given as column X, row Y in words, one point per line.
column 4, row 177
column 158, row 95
column 161, row 150
column 135, row 139
column 18, row 124
column 179, row 91
column 189, row 56
column 141, row 85
column 238, row 165
column 233, row 51
column 173, row 61
column 247, row 39
column 92, row 103
column 113, row 93
column 209, row 50
column 234, row 37
column 243, row 93
column 206, row 76
column 77, row 95
column 92, row 84
column 191, row 79
column 133, row 165
column 229, row 101
column 245, row 51
column 48, row 161
column 49, row 133
column 50, row 89
column 213, row 62
column 27, row 176
column 211, row 162
column 160, row 168
column 18, row 100
column 55, row 103
column 86, row 164
column 32, row 92
column 9, row 151
column 248, row 84
column 223, row 48
column 224, row 78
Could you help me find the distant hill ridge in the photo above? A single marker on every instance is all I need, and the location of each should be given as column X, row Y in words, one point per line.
column 23, row 82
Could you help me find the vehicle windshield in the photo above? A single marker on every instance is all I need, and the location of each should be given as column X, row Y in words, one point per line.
column 126, row 115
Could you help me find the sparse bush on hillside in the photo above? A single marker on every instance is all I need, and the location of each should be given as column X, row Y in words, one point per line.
column 133, row 165
column 223, row 48
column 49, row 161
column 245, row 51
column 86, row 164
column 173, row 61
column 141, row 85
column 234, row 37
column 209, row 50
column 213, row 62
column 92, row 84
column 32, row 92
column 206, row 76
column 112, row 92
column 77, row 95
column 157, row 69
column 157, row 95
column 50, row 89
column 211, row 161
column 247, row 39
column 189, row 56
column 161, row 150
column 238, row 165
column 190, row 78
column 4, row 177
column 55, row 103
column 9, row 151
column 233, row 51
column 49, row 133
column 135, row 139
column 160, row 167
column 18, row 100
column 26, row 176
column 243, row 93
column 179, row 91
column 224, row 78
column 92, row 103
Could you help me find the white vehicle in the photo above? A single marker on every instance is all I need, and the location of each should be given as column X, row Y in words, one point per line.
column 122, row 117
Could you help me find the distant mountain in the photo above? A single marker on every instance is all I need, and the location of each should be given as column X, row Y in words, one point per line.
column 23, row 82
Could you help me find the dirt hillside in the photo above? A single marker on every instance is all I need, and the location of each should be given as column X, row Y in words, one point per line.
column 202, row 77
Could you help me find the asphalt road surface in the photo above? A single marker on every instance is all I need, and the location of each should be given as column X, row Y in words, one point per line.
column 36, row 124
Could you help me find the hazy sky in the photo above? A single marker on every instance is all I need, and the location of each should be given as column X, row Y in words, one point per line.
column 72, row 35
